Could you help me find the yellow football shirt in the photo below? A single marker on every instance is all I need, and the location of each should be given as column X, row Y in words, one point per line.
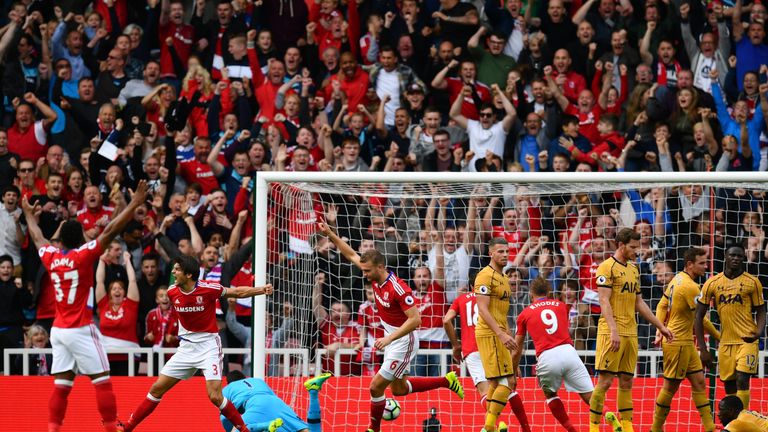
column 748, row 421
column 680, row 297
column 624, row 280
column 495, row 285
column 734, row 300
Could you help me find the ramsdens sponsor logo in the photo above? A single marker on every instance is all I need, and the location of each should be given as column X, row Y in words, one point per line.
column 190, row 309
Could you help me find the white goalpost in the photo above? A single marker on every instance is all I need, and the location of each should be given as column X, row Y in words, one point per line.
column 558, row 225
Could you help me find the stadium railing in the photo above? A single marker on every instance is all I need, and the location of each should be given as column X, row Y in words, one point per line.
column 288, row 355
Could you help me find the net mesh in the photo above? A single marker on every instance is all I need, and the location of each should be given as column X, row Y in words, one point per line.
column 557, row 231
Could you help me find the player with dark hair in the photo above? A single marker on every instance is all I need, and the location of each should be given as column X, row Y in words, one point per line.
column 681, row 361
column 76, row 341
column 264, row 411
column 400, row 318
column 735, row 418
column 546, row 320
column 200, row 345
column 736, row 295
column 618, row 286
column 494, row 341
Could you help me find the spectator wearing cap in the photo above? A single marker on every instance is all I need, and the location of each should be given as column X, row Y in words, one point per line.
column 492, row 64
column 414, row 98
column 479, row 93
column 711, row 52
column 390, row 78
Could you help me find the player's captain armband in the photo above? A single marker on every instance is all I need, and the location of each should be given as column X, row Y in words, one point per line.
column 602, row 280
column 483, row 290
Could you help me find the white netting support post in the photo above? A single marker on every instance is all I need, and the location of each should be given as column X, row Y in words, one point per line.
column 259, row 340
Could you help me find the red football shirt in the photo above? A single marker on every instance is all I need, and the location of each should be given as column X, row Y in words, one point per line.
column 330, row 333
column 514, row 240
column 72, row 278
column 196, row 172
column 183, row 39
column 31, row 144
column 587, row 122
column 161, row 324
column 368, row 317
column 432, row 307
column 393, row 298
column 468, row 108
column 88, row 217
column 547, row 322
column 197, row 310
column 465, row 307
column 120, row 323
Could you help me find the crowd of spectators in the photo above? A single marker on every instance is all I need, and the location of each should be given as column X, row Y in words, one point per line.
column 197, row 96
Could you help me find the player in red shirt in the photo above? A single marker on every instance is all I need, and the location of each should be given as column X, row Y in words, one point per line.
column 546, row 320
column 465, row 307
column 200, row 347
column 77, row 343
column 400, row 318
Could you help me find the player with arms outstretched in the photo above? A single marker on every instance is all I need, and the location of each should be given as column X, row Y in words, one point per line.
column 400, row 318
column 736, row 295
column 677, row 308
column 200, row 345
column 735, row 418
column 75, row 340
column 546, row 320
column 618, row 282
column 494, row 341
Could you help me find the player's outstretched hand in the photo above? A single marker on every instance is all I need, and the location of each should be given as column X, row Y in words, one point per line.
column 706, row 359
column 667, row 333
column 324, row 228
column 140, row 195
column 381, row 343
column 268, row 289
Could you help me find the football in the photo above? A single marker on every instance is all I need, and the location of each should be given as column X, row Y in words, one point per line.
column 391, row 410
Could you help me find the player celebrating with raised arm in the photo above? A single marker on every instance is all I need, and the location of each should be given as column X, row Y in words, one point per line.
column 736, row 295
column 493, row 339
column 618, row 282
column 200, row 345
column 75, row 340
column 400, row 318
column 546, row 320
column 735, row 418
column 680, row 358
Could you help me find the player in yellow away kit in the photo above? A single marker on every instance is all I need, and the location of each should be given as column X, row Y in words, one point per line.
column 680, row 357
column 736, row 294
column 735, row 418
column 618, row 282
column 494, row 342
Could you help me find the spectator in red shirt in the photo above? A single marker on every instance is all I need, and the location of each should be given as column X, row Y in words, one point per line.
column 28, row 137
column 370, row 328
column 197, row 170
column 337, row 330
column 95, row 216
column 481, row 93
column 585, row 109
column 570, row 82
column 162, row 324
column 118, row 313
column 353, row 82
column 182, row 36
column 265, row 87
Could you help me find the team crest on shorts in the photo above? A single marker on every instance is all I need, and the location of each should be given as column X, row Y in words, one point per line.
column 199, row 299
column 601, row 280
column 484, row 290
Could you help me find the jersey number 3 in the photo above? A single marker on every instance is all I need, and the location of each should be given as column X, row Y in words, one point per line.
column 550, row 320
column 68, row 276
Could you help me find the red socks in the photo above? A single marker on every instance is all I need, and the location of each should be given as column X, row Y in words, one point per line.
column 418, row 385
column 57, row 405
column 558, row 410
column 105, row 400
column 143, row 411
column 516, row 403
column 230, row 412
column 377, row 411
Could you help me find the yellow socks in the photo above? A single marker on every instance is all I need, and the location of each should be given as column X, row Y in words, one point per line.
column 495, row 405
column 660, row 413
column 744, row 396
column 596, row 403
column 624, row 403
column 701, row 401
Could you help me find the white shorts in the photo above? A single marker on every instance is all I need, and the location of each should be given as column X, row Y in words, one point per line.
column 79, row 349
column 562, row 363
column 475, row 368
column 191, row 356
column 398, row 357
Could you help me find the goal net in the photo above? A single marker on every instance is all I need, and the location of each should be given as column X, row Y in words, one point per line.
column 559, row 227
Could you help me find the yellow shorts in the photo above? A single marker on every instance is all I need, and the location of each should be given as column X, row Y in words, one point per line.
column 733, row 358
column 496, row 358
column 622, row 361
column 680, row 361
